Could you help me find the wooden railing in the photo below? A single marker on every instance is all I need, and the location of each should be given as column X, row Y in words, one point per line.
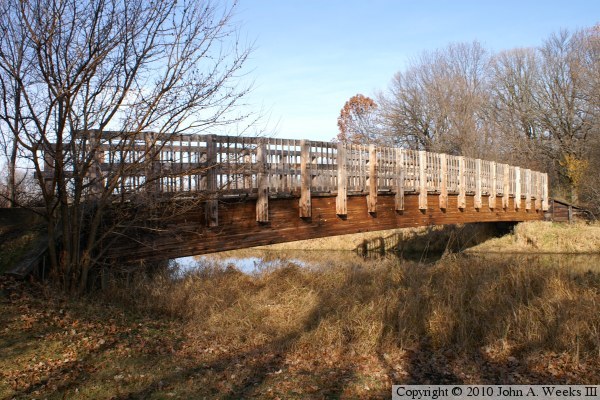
column 226, row 166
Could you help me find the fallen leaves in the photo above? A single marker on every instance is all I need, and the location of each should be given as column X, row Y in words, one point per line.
column 53, row 347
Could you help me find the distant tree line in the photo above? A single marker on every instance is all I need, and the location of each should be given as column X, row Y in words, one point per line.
column 535, row 107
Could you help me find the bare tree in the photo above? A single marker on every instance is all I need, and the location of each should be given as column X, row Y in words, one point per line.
column 124, row 66
column 12, row 51
column 515, row 85
column 566, row 106
column 439, row 103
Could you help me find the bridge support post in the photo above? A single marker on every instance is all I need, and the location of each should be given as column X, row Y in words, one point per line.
column 477, row 199
column 399, row 178
column 505, row 186
column 443, row 182
column 422, row 180
column 212, row 205
column 527, row 189
column 545, row 205
column 492, row 198
column 517, row 188
column 372, row 199
column 262, row 178
column 341, row 201
column 462, row 189
column 538, row 191
column 304, row 204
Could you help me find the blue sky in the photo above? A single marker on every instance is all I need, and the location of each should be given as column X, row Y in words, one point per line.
column 311, row 56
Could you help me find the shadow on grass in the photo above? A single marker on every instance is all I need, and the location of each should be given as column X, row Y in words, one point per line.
column 461, row 320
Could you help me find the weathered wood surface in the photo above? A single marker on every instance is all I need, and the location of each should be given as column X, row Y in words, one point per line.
column 247, row 187
column 238, row 227
column 225, row 166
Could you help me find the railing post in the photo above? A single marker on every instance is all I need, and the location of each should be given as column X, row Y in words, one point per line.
column 262, row 203
column 422, row 180
column 49, row 162
column 462, row 189
column 443, row 182
column 527, row 189
column 538, row 191
column 545, row 205
column 492, row 198
column 94, row 172
column 341, row 201
column 372, row 199
column 506, row 186
column 399, row 177
column 517, row 188
column 212, row 204
column 304, row 204
column 477, row 199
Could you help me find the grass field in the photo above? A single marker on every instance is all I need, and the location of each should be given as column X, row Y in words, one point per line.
column 349, row 329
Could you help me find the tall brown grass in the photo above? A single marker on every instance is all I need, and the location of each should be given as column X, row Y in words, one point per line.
column 374, row 305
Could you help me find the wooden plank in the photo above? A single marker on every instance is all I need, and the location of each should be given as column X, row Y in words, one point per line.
column 492, row 198
column 462, row 188
column 422, row 180
column 538, row 191
column 505, row 187
column 238, row 228
column 372, row 198
column 517, row 200
column 212, row 206
column 304, row 204
column 527, row 189
column 545, row 202
column 399, row 184
column 477, row 198
column 443, row 182
column 262, row 202
column 341, row 201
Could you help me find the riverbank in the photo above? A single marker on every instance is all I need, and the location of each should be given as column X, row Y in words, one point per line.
column 419, row 241
column 545, row 237
column 350, row 329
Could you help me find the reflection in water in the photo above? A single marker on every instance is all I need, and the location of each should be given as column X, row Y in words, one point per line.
column 255, row 261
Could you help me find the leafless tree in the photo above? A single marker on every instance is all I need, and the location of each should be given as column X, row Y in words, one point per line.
column 515, row 77
column 124, row 66
column 439, row 103
column 566, row 110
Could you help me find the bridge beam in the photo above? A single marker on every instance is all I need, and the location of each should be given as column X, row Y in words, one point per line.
column 422, row 180
column 527, row 189
column 443, row 182
column 262, row 202
column 305, row 178
column 462, row 188
column 399, row 184
column 477, row 198
column 341, row 200
column 492, row 186
column 505, row 186
column 517, row 188
column 212, row 204
column 372, row 198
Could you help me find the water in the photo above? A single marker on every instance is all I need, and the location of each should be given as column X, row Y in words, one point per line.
column 255, row 261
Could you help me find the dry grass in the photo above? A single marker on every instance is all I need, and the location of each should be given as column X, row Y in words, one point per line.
column 546, row 237
column 457, row 302
column 346, row 330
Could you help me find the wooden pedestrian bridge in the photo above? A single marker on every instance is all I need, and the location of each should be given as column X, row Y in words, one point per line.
column 248, row 191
